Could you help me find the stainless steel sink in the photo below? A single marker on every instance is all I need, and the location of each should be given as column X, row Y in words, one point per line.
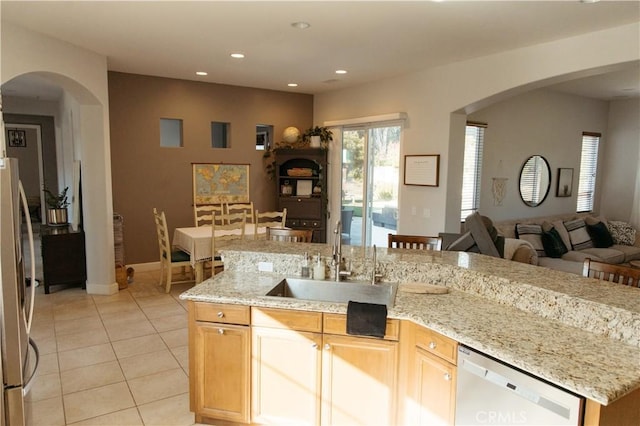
column 337, row 292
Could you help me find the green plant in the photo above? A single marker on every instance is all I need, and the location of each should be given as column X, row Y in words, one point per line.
column 325, row 134
column 56, row 201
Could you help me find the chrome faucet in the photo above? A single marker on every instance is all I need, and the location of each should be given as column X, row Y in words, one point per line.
column 374, row 275
column 336, row 261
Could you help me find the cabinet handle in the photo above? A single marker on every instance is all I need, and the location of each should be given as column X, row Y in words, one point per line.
column 432, row 345
column 220, row 331
column 327, row 346
column 447, row 376
column 314, row 346
column 220, row 314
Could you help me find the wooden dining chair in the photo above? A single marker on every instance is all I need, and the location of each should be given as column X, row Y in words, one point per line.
column 618, row 274
column 290, row 235
column 419, row 242
column 264, row 220
column 247, row 208
column 203, row 214
column 225, row 227
column 169, row 258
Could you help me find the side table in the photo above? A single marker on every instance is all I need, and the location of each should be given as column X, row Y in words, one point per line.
column 63, row 256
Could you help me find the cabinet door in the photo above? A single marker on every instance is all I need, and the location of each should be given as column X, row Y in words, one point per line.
column 358, row 380
column 286, row 376
column 222, row 368
column 433, row 389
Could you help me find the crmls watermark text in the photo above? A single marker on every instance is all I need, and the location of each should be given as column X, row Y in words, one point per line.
column 501, row 417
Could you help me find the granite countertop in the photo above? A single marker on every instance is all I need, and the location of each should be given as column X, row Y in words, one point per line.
column 578, row 333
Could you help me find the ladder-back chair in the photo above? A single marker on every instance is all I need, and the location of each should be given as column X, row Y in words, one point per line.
column 415, row 242
column 266, row 220
column 203, row 214
column 169, row 258
column 225, row 227
column 247, row 208
column 290, row 235
column 618, row 274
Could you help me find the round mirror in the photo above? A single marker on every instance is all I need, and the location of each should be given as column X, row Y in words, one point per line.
column 535, row 179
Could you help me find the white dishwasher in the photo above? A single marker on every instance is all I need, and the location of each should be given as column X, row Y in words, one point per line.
column 490, row 392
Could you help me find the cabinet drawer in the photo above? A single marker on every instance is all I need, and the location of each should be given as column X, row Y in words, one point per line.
column 337, row 324
column 292, row 320
column 218, row 312
column 299, row 207
column 436, row 344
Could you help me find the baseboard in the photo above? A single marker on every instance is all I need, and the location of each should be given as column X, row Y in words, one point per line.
column 145, row 267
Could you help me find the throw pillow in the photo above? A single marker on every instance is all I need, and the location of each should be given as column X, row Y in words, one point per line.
column 533, row 234
column 622, row 232
column 578, row 234
column 552, row 243
column 600, row 235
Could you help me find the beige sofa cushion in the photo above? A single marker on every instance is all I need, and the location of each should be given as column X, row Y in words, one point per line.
column 630, row 252
column 607, row 255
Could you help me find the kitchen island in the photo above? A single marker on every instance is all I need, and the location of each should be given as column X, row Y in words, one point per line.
column 580, row 334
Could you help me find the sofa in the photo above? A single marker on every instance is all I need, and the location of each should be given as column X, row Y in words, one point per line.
column 563, row 242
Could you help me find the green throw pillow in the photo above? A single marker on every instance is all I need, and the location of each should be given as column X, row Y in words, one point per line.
column 552, row 243
column 600, row 235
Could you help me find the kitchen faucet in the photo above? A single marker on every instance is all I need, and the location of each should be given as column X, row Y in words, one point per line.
column 336, row 261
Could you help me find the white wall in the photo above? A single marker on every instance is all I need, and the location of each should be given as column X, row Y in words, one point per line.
column 540, row 122
column 436, row 101
column 84, row 132
column 620, row 159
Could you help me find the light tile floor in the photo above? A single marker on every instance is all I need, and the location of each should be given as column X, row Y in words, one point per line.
column 111, row 360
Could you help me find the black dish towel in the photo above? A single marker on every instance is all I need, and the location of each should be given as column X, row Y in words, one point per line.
column 366, row 319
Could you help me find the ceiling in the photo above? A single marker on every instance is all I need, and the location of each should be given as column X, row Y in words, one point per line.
column 371, row 40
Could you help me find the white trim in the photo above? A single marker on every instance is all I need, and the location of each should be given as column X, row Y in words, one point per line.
column 393, row 116
column 145, row 267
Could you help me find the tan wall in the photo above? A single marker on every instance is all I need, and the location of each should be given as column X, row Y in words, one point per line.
column 146, row 176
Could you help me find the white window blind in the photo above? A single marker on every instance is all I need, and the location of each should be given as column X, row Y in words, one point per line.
column 472, row 169
column 588, row 167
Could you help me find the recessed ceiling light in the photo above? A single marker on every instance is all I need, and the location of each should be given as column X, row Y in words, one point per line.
column 588, row 1
column 301, row 25
column 237, row 55
column 292, row 84
column 341, row 71
column 201, row 73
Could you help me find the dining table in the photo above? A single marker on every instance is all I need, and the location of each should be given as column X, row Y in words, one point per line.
column 196, row 241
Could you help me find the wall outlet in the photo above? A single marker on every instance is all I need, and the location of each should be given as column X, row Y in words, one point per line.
column 265, row 267
column 413, row 211
column 426, row 213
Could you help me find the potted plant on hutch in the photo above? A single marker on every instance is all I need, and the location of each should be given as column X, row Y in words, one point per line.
column 56, row 207
column 318, row 137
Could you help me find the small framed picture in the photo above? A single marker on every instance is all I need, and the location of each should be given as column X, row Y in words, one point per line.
column 565, row 183
column 17, row 138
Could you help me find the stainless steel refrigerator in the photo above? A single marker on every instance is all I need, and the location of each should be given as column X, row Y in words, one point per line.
column 16, row 298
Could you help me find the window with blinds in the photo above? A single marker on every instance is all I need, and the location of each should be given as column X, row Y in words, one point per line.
column 588, row 167
column 472, row 169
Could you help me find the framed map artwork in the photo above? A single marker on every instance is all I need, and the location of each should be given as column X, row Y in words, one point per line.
column 220, row 183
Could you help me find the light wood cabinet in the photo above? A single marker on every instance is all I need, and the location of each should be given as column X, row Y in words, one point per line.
column 286, row 366
column 427, row 377
column 302, row 376
column 358, row 380
column 219, row 362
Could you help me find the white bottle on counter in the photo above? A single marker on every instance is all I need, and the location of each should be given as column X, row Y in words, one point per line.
column 305, row 270
column 318, row 269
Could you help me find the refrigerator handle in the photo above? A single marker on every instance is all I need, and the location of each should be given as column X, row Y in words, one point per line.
column 29, row 382
column 25, row 206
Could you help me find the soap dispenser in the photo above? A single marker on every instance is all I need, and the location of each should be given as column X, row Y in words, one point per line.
column 305, row 271
column 318, row 269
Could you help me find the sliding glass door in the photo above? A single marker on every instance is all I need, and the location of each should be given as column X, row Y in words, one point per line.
column 370, row 179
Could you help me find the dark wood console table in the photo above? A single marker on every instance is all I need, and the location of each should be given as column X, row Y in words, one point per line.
column 63, row 256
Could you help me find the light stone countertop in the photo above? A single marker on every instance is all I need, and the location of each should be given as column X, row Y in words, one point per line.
column 579, row 333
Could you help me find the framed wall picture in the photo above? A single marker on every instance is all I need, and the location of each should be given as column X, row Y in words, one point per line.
column 17, row 138
column 220, row 183
column 565, row 182
column 422, row 170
